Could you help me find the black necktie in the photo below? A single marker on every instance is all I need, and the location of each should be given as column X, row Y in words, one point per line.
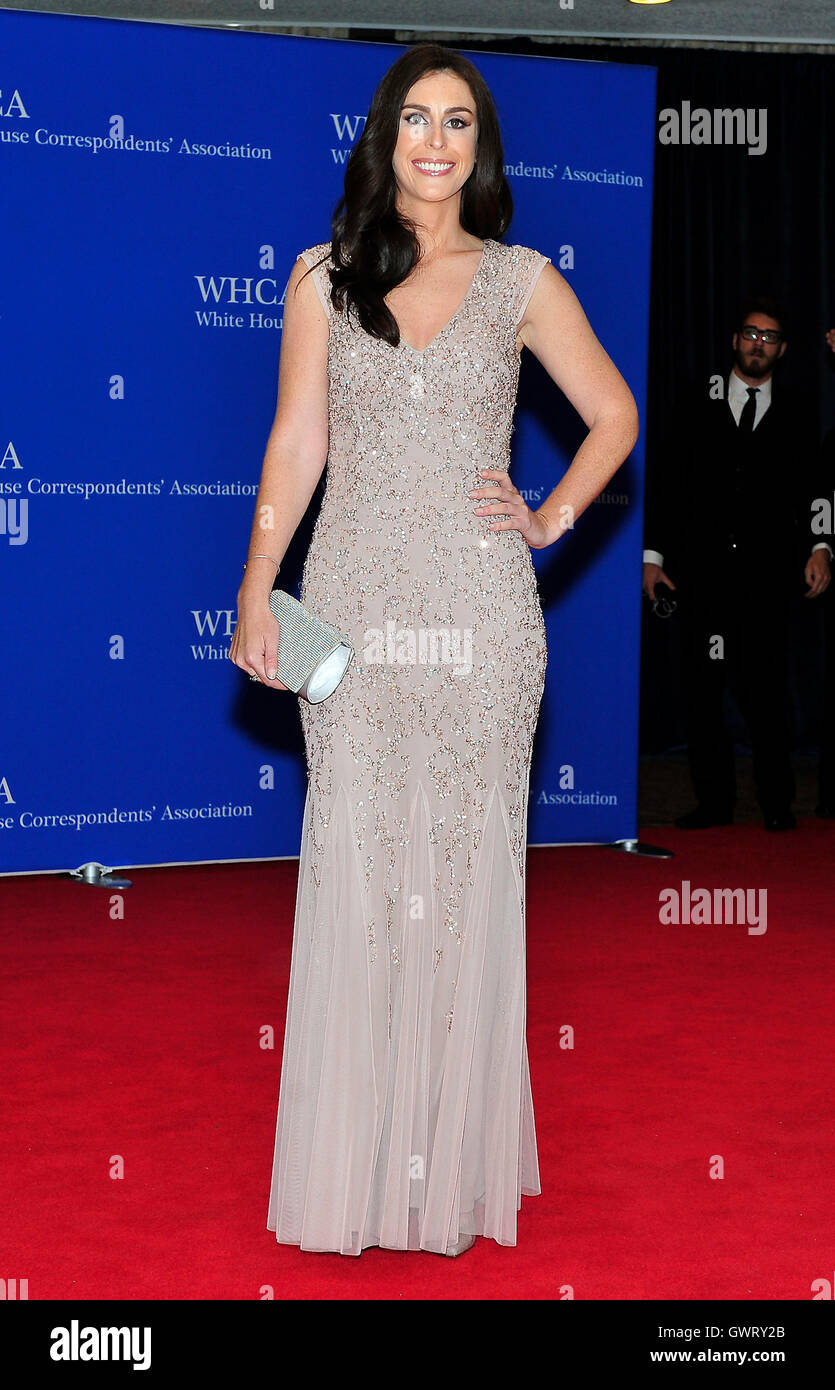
column 749, row 411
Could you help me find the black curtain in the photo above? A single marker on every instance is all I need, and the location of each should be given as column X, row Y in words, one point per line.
column 726, row 223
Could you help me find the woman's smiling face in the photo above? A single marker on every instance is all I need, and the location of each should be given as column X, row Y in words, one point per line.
column 436, row 140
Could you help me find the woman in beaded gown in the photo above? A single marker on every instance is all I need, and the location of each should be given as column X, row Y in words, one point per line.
column 405, row 1113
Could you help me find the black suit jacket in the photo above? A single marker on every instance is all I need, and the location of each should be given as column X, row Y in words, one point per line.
column 715, row 496
column 826, row 490
column 826, row 480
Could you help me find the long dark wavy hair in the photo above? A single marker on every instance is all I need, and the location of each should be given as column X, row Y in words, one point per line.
column 374, row 246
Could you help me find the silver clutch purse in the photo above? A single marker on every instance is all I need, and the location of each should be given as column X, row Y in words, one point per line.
column 312, row 656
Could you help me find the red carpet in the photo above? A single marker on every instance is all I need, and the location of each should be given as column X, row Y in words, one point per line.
column 141, row 1039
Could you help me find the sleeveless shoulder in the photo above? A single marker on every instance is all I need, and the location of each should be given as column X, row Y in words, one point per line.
column 311, row 256
column 522, row 266
column 315, row 253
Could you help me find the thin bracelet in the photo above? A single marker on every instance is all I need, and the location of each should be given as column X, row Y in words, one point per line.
column 264, row 557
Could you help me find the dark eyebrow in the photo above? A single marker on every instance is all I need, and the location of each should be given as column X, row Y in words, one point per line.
column 417, row 106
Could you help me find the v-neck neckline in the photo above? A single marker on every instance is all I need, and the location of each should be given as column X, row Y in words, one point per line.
column 441, row 331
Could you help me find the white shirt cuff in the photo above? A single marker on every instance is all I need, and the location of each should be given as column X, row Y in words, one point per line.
column 654, row 557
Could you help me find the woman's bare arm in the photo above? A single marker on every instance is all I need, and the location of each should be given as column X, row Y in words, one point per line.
column 297, row 447
column 557, row 332
column 295, row 456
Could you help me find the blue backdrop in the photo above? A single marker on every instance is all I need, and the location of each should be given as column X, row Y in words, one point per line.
column 159, row 183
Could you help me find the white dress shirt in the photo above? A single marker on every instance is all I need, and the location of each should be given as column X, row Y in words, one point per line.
column 737, row 398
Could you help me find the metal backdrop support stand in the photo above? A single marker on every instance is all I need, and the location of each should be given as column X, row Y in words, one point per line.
column 97, row 876
column 636, row 847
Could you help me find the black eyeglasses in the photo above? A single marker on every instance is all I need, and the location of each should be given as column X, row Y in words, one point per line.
column 770, row 335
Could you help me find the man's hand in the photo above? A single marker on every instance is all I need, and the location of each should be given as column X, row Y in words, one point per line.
column 818, row 572
column 830, row 338
column 653, row 574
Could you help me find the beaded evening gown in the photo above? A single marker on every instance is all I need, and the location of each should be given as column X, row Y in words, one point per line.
column 405, row 1116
